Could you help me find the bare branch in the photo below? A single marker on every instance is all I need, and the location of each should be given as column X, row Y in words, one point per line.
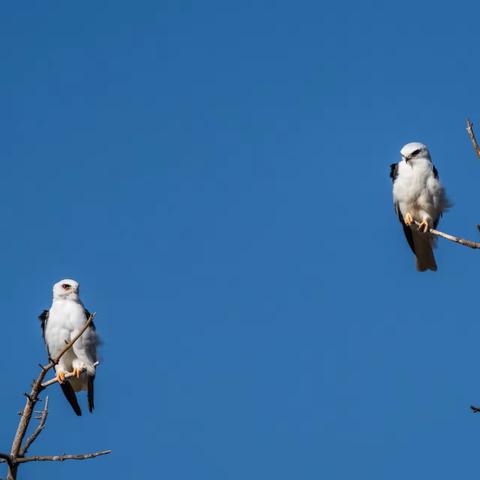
column 453, row 238
column 472, row 137
column 37, row 431
column 61, row 458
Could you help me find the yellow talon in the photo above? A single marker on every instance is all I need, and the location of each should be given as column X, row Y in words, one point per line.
column 424, row 226
column 60, row 377
column 408, row 219
column 77, row 372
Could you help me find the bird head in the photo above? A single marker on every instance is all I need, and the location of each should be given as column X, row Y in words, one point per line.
column 66, row 289
column 413, row 151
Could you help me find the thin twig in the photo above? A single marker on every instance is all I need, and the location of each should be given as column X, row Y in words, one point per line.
column 472, row 137
column 37, row 431
column 453, row 238
column 61, row 458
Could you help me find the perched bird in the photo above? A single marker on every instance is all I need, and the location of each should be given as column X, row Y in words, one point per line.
column 60, row 325
column 419, row 197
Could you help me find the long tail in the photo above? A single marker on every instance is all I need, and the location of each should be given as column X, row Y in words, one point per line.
column 90, row 382
column 69, row 393
column 424, row 252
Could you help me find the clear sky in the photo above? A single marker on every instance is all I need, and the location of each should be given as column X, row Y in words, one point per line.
column 215, row 175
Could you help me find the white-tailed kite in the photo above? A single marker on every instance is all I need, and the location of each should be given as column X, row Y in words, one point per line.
column 419, row 197
column 60, row 325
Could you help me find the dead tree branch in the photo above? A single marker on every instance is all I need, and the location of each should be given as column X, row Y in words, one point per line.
column 453, row 238
column 62, row 458
column 32, row 398
column 477, row 151
column 472, row 137
column 17, row 452
column 38, row 430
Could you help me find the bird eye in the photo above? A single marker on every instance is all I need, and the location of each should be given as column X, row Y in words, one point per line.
column 416, row 152
column 65, row 286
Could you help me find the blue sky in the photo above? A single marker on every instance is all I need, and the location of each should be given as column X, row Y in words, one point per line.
column 215, row 174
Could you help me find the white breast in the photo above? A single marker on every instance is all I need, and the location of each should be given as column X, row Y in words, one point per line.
column 65, row 317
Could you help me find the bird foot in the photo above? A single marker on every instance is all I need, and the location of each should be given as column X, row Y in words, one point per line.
column 77, row 372
column 408, row 219
column 60, row 377
column 424, row 226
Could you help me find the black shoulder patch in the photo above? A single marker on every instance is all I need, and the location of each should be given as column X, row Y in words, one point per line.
column 43, row 317
column 435, row 172
column 393, row 171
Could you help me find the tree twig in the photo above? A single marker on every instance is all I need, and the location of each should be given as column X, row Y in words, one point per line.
column 37, row 431
column 61, row 458
column 472, row 137
column 453, row 238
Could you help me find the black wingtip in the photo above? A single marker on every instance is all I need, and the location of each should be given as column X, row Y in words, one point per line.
column 91, row 405
column 71, row 397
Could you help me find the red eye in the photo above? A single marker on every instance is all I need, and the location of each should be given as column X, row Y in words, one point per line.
column 65, row 286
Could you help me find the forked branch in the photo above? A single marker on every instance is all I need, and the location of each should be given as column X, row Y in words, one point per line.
column 17, row 453
column 38, row 430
